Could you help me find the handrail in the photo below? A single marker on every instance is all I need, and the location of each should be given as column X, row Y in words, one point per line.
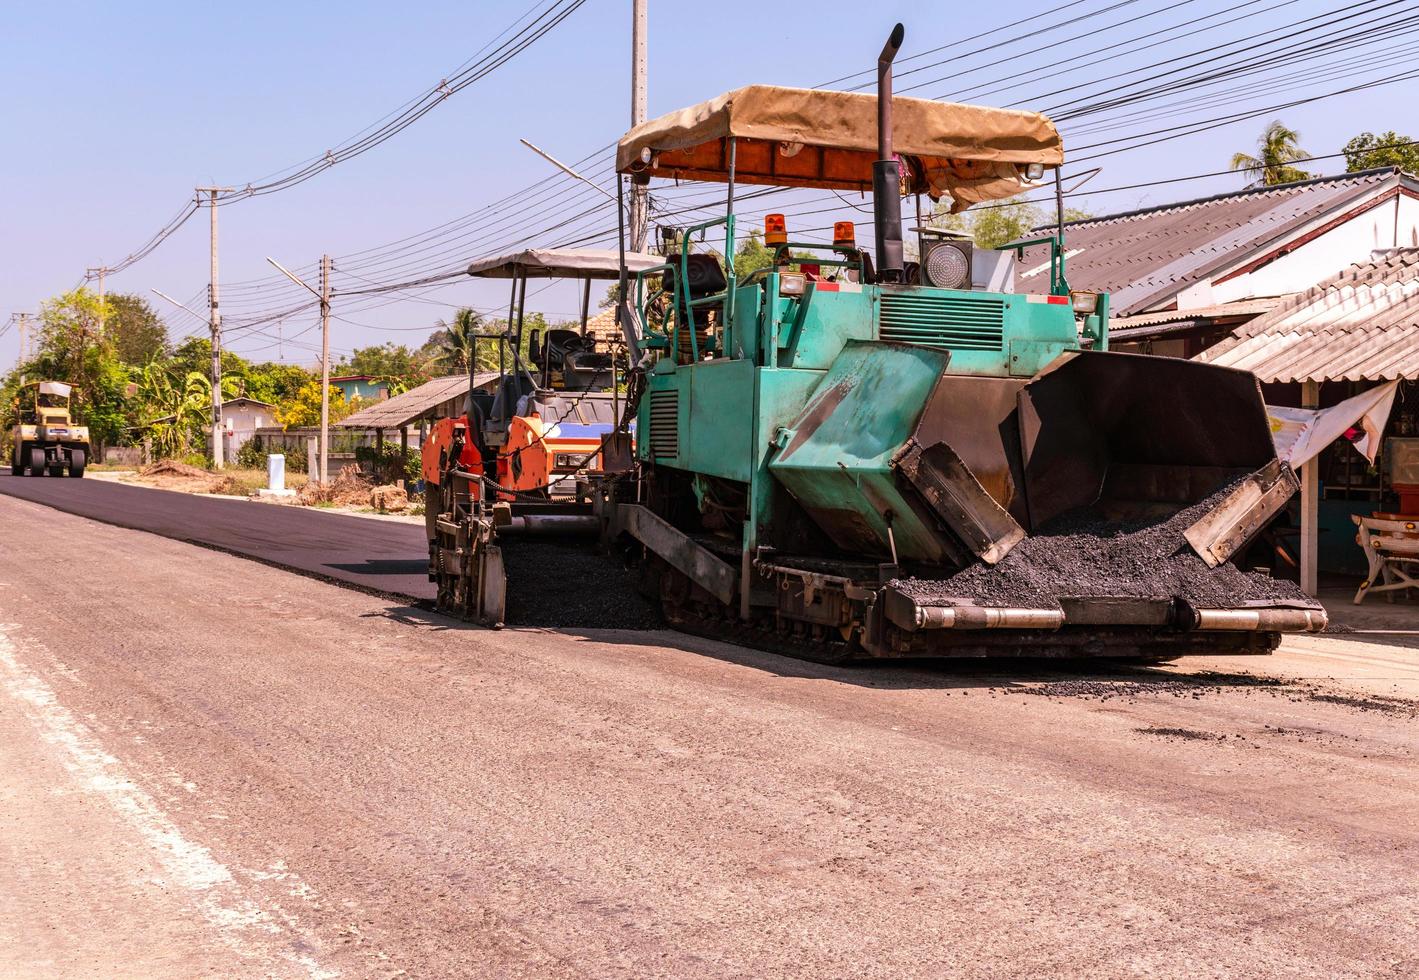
column 1058, row 285
column 799, row 260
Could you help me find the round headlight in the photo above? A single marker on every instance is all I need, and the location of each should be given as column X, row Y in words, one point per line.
column 947, row 266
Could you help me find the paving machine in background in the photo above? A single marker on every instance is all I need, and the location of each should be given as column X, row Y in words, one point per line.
column 536, row 441
column 45, row 438
column 825, row 447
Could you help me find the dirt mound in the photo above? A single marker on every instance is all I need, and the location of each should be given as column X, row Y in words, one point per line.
column 389, row 499
column 349, row 489
column 1080, row 554
column 171, row 467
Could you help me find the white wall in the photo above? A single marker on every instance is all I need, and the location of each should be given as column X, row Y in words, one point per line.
column 1318, row 259
column 1389, row 224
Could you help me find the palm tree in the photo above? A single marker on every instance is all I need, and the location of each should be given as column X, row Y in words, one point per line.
column 1276, row 151
column 455, row 342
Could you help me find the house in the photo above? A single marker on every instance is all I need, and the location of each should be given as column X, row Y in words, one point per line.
column 362, row 386
column 1352, row 331
column 241, row 417
column 1180, row 276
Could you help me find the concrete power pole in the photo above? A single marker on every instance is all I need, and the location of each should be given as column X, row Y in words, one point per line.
column 323, row 295
column 639, row 198
column 102, row 271
column 216, row 326
column 324, row 368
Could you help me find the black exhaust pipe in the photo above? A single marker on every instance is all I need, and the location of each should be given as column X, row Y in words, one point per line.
column 886, row 172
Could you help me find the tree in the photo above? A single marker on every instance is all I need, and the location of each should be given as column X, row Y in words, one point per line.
column 1001, row 222
column 138, row 334
column 175, row 408
column 303, row 410
column 392, row 363
column 1367, row 151
column 274, row 383
column 72, row 349
column 1276, row 151
column 452, row 345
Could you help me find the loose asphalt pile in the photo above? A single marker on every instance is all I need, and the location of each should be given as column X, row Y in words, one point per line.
column 568, row 585
column 1079, row 554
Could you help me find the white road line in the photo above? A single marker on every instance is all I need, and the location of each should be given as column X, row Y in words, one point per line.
column 188, row 864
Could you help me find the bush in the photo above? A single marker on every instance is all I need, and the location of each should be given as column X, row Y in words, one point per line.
column 388, row 466
column 253, row 452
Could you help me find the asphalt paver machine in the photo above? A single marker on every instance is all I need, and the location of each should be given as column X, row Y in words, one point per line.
column 536, row 442
column 849, row 455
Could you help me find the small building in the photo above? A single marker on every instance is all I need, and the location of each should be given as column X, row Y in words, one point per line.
column 1183, row 275
column 241, row 417
column 1349, row 333
column 362, row 386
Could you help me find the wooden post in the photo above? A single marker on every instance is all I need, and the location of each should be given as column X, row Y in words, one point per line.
column 1310, row 503
column 403, row 453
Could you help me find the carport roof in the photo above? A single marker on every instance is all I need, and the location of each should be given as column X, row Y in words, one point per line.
column 414, row 404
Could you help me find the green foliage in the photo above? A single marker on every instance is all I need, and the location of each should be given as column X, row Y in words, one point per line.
column 173, row 407
column 72, row 349
column 275, row 383
column 137, row 332
column 393, row 363
column 1368, row 150
column 1276, row 152
column 304, row 408
column 450, row 348
column 389, row 464
column 252, row 456
column 751, row 255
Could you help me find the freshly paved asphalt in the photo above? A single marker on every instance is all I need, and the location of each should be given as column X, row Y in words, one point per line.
column 385, row 557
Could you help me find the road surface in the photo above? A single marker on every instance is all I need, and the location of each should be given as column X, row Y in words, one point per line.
column 381, row 556
column 209, row 766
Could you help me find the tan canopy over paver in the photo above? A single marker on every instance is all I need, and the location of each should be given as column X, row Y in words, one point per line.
column 796, row 137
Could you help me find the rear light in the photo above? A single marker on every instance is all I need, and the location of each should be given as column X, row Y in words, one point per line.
column 791, row 284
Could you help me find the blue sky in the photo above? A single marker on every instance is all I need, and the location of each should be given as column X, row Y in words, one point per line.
column 114, row 112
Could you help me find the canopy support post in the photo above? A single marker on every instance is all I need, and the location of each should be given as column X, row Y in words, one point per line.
column 1310, row 504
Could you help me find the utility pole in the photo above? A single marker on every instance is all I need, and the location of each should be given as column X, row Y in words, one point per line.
column 639, row 197
column 215, row 322
column 24, row 337
column 322, row 294
column 102, row 271
column 324, row 368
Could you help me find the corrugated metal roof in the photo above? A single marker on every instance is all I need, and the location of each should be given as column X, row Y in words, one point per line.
column 1361, row 325
column 414, row 404
column 1242, row 307
column 1144, row 257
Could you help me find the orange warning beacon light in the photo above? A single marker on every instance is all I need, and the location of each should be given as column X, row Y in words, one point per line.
column 844, row 235
column 775, row 230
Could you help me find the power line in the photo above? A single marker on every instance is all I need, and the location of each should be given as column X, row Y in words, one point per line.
column 534, row 30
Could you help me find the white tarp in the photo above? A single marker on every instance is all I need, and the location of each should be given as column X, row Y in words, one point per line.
column 1301, row 433
column 55, row 388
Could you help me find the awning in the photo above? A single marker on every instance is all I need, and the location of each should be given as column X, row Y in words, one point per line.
column 562, row 263
column 415, row 404
column 796, row 137
column 55, row 388
column 1301, row 433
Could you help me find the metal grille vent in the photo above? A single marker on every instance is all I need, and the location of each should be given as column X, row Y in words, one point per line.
column 955, row 322
column 665, row 424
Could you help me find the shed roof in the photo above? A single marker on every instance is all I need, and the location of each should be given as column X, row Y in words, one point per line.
column 1144, row 258
column 562, row 263
column 1360, row 325
column 414, row 404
